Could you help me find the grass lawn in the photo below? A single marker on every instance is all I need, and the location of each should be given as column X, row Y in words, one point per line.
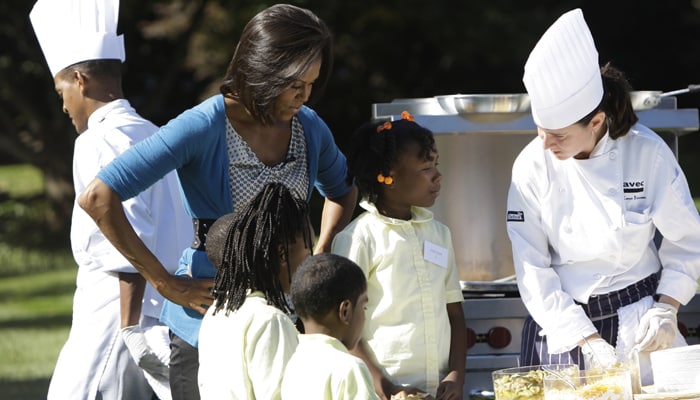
column 35, row 315
column 36, row 291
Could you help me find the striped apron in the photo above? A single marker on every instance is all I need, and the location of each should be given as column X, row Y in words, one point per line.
column 601, row 309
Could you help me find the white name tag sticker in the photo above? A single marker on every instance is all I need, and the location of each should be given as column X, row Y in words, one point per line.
column 435, row 254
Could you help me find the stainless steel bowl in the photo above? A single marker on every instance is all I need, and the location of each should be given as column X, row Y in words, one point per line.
column 484, row 103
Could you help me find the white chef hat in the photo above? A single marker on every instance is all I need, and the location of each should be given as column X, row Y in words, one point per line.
column 562, row 74
column 72, row 31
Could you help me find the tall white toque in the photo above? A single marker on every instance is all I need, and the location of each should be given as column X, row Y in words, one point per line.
column 562, row 74
column 72, row 31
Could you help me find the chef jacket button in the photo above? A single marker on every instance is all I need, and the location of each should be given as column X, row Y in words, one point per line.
column 612, row 191
column 567, row 229
column 613, row 155
column 561, row 189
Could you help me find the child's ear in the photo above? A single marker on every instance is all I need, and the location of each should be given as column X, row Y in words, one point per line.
column 345, row 311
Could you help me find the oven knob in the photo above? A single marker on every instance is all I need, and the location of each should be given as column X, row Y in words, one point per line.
column 498, row 337
column 683, row 329
column 471, row 338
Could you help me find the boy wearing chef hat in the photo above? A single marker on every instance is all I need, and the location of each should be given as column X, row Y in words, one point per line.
column 108, row 333
column 586, row 198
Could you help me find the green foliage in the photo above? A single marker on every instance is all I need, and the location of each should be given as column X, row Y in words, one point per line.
column 17, row 260
column 25, row 243
column 21, row 180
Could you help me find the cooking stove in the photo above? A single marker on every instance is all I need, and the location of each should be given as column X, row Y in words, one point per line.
column 494, row 324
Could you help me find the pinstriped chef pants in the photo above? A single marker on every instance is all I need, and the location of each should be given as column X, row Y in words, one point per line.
column 601, row 309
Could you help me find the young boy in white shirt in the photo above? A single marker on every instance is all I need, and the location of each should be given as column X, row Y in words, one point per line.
column 329, row 293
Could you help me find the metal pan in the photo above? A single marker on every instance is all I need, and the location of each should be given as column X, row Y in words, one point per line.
column 486, row 108
column 493, row 287
column 484, row 103
column 648, row 99
column 499, row 105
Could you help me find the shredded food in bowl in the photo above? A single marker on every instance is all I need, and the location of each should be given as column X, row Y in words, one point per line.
column 526, row 386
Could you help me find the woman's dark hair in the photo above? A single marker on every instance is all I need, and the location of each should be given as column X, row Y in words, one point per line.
column 616, row 103
column 372, row 153
column 276, row 48
column 244, row 247
column 323, row 281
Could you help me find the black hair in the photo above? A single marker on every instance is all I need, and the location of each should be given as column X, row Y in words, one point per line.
column 276, row 47
column 244, row 247
column 323, row 281
column 616, row 103
column 98, row 69
column 372, row 153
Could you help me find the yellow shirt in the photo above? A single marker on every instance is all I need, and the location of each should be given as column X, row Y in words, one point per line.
column 411, row 277
column 321, row 368
column 243, row 355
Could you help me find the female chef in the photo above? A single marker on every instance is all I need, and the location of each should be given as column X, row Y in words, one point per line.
column 586, row 197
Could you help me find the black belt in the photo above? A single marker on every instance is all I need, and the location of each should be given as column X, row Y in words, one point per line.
column 201, row 227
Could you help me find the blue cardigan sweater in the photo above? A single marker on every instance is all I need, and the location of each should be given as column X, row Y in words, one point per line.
column 194, row 143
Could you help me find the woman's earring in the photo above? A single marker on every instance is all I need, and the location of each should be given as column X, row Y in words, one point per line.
column 283, row 254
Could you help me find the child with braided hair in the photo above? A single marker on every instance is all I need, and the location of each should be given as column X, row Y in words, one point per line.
column 413, row 339
column 246, row 336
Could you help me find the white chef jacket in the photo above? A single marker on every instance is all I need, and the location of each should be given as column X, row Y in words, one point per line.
column 585, row 227
column 94, row 358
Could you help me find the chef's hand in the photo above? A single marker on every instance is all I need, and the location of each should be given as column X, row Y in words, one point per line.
column 657, row 328
column 598, row 354
column 142, row 353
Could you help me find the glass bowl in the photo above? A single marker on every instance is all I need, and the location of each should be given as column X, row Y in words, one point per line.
column 609, row 384
column 526, row 383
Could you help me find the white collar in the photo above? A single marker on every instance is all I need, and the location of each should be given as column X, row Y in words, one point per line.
column 100, row 114
column 418, row 214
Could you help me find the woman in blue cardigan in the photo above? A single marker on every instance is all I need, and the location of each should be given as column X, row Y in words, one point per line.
column 224, row 150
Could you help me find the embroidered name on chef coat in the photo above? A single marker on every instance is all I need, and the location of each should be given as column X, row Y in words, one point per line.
column 634, row 190
column 633, row 186
column 515, row 216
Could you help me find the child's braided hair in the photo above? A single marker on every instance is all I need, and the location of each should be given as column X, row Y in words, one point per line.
column 375, row 148
column 244, row 247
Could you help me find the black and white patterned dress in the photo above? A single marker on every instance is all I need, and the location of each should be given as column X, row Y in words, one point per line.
column 247, row 174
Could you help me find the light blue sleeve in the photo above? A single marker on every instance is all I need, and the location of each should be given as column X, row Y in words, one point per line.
column 193, row 143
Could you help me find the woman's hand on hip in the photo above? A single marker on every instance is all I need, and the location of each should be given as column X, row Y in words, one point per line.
column 188, row 292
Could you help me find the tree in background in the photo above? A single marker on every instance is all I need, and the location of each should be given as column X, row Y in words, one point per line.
column 177, row 51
